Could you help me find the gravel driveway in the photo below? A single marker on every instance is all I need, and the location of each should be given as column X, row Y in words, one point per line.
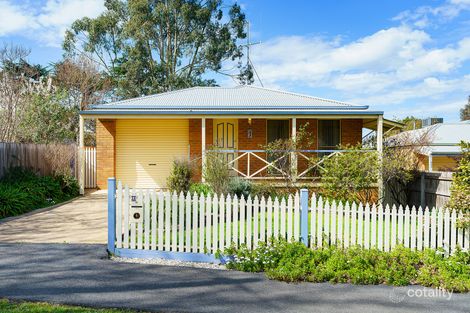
column 83, row 275
column 83, row 220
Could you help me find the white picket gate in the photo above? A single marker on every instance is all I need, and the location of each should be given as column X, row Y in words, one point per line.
column 146, row 220
column 90, row 167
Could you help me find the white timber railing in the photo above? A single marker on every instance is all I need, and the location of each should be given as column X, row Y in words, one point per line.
column 255, row 164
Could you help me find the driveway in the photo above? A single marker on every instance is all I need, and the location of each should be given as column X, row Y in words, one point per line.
column 83, row 275
column 83, row 220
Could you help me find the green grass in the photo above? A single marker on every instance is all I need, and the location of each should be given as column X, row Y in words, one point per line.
column 40, row 307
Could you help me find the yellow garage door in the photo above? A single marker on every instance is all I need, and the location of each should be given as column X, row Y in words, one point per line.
column 145, row 150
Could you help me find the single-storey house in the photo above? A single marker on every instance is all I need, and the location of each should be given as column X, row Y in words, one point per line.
column 138, row 139
column 441, row 150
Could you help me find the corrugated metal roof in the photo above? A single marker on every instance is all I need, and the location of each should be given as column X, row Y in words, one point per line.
column 444, row 137
column 233, row 98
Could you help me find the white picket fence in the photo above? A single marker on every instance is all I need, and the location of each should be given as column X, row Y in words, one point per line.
column 90, row 167
column 150, row 220
column 385, row 227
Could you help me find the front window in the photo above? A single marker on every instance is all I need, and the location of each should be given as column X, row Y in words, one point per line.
column 277, row 130
column 329, row 136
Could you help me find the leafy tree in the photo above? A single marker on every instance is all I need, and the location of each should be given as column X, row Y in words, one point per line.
column 47, row 119
column 83, row 81
column 460, row 189
column 18, row 80
column 151, row 46
column 411, row 122
column 465, row 111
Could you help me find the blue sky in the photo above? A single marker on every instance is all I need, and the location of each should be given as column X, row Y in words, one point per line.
column 402, row 56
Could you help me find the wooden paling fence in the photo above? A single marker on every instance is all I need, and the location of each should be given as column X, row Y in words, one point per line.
column 38, row 157
column 148, row 220
column 32, row 156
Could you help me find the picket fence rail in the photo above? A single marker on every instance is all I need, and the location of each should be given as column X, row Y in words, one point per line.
column 192, row 223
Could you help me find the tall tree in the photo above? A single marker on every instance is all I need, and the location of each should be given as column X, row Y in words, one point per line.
column 18, row 80
column 83, row 81
column 465, row 111
column 151, row 46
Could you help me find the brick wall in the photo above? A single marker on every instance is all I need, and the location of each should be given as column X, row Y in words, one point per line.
column 351, row 131
column 257, row 142
column 105, row 151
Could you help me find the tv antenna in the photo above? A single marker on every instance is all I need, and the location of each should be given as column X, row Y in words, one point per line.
column 248, row 59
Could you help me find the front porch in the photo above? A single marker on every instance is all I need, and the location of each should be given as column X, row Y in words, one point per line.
column 245, row 144
column 140, row 151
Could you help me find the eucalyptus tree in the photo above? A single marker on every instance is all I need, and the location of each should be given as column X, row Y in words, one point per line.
column 151, row 46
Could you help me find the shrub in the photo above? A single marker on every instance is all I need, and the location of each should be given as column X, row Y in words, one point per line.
column 200, row 188
column 180, row 176
column 13, row 200
column 267, row 189
column 460, row 189
column 293, row 262
column 350, row 176
column 22, row 190
column 217, row 173
column 240, row 187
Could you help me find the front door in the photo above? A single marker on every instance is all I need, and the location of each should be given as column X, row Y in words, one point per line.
column 226, row 138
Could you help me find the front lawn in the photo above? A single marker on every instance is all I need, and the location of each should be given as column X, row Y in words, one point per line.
column 39, row 307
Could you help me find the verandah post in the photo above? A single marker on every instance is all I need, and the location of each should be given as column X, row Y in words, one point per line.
column 81, row 155
column 111, row 214
column 304, row 216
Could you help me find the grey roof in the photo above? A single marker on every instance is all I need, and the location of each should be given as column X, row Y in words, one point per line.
column 226, row 100
column 444, row 137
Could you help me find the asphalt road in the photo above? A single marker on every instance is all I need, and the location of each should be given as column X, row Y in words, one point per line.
column 82, row 275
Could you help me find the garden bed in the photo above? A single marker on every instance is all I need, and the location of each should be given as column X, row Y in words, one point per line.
column 294, row 262
column 22, row 191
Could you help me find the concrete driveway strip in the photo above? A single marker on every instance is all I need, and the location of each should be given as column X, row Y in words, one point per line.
column 82, row 275
column 83, row 220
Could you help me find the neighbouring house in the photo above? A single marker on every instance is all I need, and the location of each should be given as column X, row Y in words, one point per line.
column 138, row 139
column 441, row 150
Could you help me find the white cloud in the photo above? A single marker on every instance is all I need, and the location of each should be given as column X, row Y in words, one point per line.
column 313, row 59
column 425, row 16
column 46, row 23
column 13, row 18
column 429, row 89
column 389, row 67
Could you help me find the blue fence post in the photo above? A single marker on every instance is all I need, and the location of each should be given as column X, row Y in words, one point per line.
column 111, row 214
column 304, row 216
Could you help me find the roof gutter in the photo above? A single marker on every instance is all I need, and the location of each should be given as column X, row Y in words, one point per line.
column 232, row 112
column 151, row 107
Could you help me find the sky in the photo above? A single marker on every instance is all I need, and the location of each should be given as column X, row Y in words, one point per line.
column 404, row 57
